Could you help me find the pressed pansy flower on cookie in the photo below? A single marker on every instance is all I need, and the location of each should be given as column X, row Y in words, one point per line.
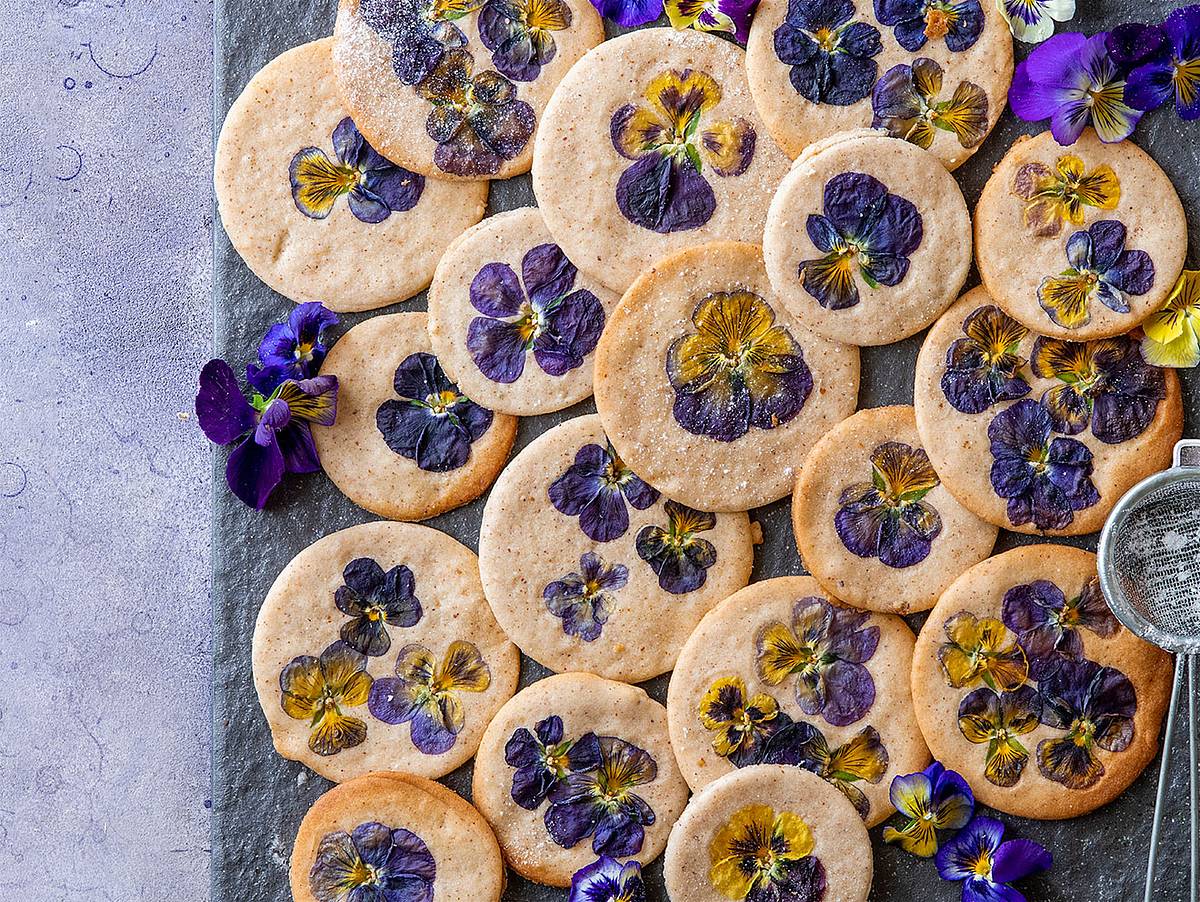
column 1059, row 195
column 908, row 102
column 1049, row 625
column 985, row 367
column 520, row 34
column 1100, row 269
column 678, row 554
column 373, row 861
column 762, row 855
column 542, row 759
column 861, row 759
column 375, row 600
column 320, row 690
column 595, row 488
column 830, row 51
column 585, row 600
column 916, row 22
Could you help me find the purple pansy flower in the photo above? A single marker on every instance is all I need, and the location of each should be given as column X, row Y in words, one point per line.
column 601, row 803
column 373, row 863
column 1095, row 705
column 560, row 326
column 582, row 599
column 595, row 488
column 272, row 432
column 865, row 230
column 917, row 21
column 543, row 759
column 930, row 800
column 831, row 56
column 677, row 555
column 985, row 865
column 375, row 600
column 1044, row 479
column 629, row 13
column 608, row 880
column 721, row 16
column 421, row 31
column 1174, row 72
column 520, row 34
column 433, row 423
column 984, row 368
column 1100, row 267
column 292, row 350
column 1047, row 623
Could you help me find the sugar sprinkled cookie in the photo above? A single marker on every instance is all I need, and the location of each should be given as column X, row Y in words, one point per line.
column 407, row 444
column 589, row 568
column 652, row 144
column 576, row 766
column 512, row 320
column 872, row 520
column 1027, row 685
column 780, row 673
column 1039, row 434
column 316, row 211
column 868, row 239
column 375, row 650
column 1079, row 242
column 769, row 832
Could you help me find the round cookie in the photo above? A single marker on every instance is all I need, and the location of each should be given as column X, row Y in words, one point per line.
column 992, row 400
column 603, row 737
column 312, row 209
column 868, row 239
column 872, row 520
column 715, row 430
column 370, row 617
column 734, row 703
column 398, row 825
column 1079, row 242
column 652, row 144
column 390, row 451
column 964, row 62
column 455, row 90
column 588, row 568
column 1025, row 683
column 512, row 320
column 780, row 825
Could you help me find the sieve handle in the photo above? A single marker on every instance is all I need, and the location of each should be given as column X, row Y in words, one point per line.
column 1187, row 453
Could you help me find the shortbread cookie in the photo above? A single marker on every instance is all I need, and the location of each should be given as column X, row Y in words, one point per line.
column 1079, row 242
column 934, row 74
column 589, row 568
column 573, row 767
column 652, row 144
column 455, row 90
column 709, row 389
column 407, row 443
column 868, row 239
column 872, row 520
column 388, row 830
column 780, row 673
column 1039, row 434
column 768, row 832
column 375, row 650
column 1026, row 684
column 511, row 318
column 317, row 212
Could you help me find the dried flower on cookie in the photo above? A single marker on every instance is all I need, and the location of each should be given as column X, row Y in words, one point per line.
column 543, row 759
column 984, row 368
column 583, row 600
column 372, row 862
column 520, row 34
column 981, row 650
column 1100, row 268
column 595, row 489
column 830, row 51
column 862, row 758
column 741, row 725
column 959, row 24
column 905, row 101
column 1048, row 624
column 763, row 856
column 677, row 554
column 1057, row 197
column 318, row 689
column 375, row 600
column 996, row 719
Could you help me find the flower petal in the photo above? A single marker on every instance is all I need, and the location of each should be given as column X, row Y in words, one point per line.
column 572, row 331
column 222, row 410
column 663, row 195
column 498, row 348
column 547, row 273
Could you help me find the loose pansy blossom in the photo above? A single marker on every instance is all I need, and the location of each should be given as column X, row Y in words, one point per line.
column 1048, row 624
column 520, row 34
column 373, row 862
column 738, row 369
column 865, row 231
column 608, row 880
column 583, row 600
column 671, row 138
column 997, row 719
column 421, row 31
column 1175, row 73
column 1057, row 197
column 1032, row 21
column 723, row 16
column 824, row 648
column 905, row 102
column 1173, row 333
column 425, row 693
column 375, row 600
column 981, row 650
column 317, row 690
column 595, row 488
column 984, row 368
column 629, row 13
column 543, row 759
column 1095, row 705
column 1044, row 479
column 930, row 800
column 1100, row 268
column 432, row 423
column 861, row 758
column 1133, row 43
column 741, row 724
column 292, row 350
column 914, row 22
column 830, row 54
column 766, row 856
column 678, row 555
column 986, row 866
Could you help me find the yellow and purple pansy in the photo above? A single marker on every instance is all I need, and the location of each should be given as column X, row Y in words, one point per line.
column 980, row 650
column 1101, row 269
column 1173, row 332
column 670, row 142
column 905, row 102
column 1172, row 73
column 294, row 349
column 608, row 880
column 542, row 759
column 742, row 724
column 721, row 16
column 1095, row 706
column 831, row 54
column 1032, row 21
column 1048, row 624
column 862, row 758
column 421, row 31
column 865, row 231
column 375, row 600
column 1057, row 197
column 930, row 800
column 887, row 517
column 595, row 488
column 319, row 689
column 520, row 34
column 913, row 22
column 761, row 855
column 424, row 693
column 997, row 719
column 559, row 325
column 372, row 863
column 738, row 369
column 583, row 600
column 984, row 368
column 676, row 553
column 985, row 865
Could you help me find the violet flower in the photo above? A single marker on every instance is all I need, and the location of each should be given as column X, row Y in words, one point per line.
column 830, row 52
column 375, row 600
column 520, row 34
column 542, row 759
column 930, row 800
column 1174, row 72
column 294, row 349
column 629, row 13
column 985, row 865
column 583, row 600
column 959, row 24
column 595, row 488
column 372, row 863
column 1048, row 624
column 1095, row 706
column 608, row 880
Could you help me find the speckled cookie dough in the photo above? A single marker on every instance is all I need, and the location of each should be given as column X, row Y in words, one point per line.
column 1025, row 683
column 611, row 180
column 314, row 211
column 407, row 443
column 1035, row 434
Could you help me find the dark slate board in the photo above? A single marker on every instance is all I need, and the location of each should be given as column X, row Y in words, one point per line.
column 259, row 798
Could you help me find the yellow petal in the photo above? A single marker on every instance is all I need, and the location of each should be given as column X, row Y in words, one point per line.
column 680, row 94
column 1066, row 298
column 335, row 732
column 728, row 146
column 464, row 669
column 796, row 835
column 780, row 653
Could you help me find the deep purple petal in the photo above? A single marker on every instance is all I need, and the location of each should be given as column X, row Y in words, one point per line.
column 1018, row 858
column 429, row 732
column 570, row 821
column 629, row 13
column 495, row 291
column 849, row 693
column 298, row 448
column 497, row 348
column 572, row 331
column 663, row 195
column 605, row 517
column 253, row 471
column 395, row 186
column 221, row 409
column 547, row 273
column 721, row 415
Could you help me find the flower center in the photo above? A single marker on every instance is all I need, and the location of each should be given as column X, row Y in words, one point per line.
column 442, row 401
column 937, row 22
column 361, row 874
column 826, row 38
column 616, row 474
column 373, row 613
column 303, row 351
column 1039, row 460
column 1083, row 732
column 530, row 325
column 982, row 866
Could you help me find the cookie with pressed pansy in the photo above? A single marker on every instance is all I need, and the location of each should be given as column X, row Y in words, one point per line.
column 375, row 650
column 408, row 443
column 454, row 90
column 1079, row 242
column 1039, row 434
column 868, row 239
column 873, row 521
column 512, row 320
column 589, row 568
column 651, row 144
column 781, row 673
column 314, row 209
column 709, row 390
column 1026, row 684
column 768, row 832
column 574, row 767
